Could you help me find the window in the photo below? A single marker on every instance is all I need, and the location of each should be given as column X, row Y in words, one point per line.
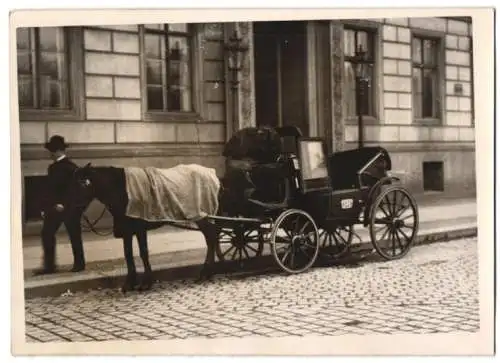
column 426, row 82
column 353, row 38
column 433, row 176
column 168, row 64
column 47, row 59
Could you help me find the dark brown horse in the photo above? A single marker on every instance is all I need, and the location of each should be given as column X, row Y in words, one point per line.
column 108, row 185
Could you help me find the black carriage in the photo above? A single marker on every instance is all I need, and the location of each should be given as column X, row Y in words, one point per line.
column 305, row 202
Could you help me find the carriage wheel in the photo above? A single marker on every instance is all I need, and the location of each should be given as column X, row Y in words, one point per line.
column 238, row 244
column 393, row 222
column 336, row 243
column 295, row 241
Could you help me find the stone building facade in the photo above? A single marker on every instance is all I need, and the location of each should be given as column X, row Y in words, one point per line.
column 159, row 95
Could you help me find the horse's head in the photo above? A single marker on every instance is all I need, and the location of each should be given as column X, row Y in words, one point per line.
column 82, row 189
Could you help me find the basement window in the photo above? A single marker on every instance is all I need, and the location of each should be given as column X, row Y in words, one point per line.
column 433, row 176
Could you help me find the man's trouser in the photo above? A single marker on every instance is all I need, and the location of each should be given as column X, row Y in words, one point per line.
column 51, row 223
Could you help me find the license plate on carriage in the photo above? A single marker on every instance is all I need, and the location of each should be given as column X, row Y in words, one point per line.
column 346, row 203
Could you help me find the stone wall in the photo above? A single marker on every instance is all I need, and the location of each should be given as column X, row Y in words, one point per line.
column 451, row 139
column 113, row 129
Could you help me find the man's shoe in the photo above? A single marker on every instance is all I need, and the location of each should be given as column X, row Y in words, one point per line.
column 78, row 268
column 44, row 271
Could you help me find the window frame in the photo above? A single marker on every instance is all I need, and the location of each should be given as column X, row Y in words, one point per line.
column 196, row 68
column 375, row 28
column 74, row 36
column 439, row 37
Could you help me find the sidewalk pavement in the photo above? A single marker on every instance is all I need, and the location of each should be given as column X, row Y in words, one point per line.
column 180, row 250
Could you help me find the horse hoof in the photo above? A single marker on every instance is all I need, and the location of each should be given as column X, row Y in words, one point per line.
column 125, row 289
column 204, row 278
column 201, row 279
column 128, row 287
column 145, row 286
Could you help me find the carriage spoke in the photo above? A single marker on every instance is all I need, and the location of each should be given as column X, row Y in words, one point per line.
column 227, row 233
column 405, row 218
column 387, row 231
column 401, row 210
column 389, row 205
column 253, row 249
column 396, row 203
column 304, row 227
column 345, row 229
column 292, row 258
column 246, row 252
column 383, row 210
column 234, row 253
column 408, row 239
column 342, row 239
column 229, row 249
column 381, row 228
column 393, row 240
column 331, row 240
column 399, row 240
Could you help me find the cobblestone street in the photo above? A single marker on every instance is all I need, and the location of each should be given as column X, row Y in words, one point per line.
column 433, row 289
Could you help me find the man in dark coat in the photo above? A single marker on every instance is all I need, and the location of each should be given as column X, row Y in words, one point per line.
column 55, row 212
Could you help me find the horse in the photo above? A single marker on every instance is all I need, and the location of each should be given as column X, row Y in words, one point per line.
column 108, row 185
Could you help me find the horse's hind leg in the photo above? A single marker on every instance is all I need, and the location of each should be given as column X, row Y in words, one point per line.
column 147, row 278
column 209, row 231
column 131, row 278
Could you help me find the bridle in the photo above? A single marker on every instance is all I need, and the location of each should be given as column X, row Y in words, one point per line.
column 87, row 185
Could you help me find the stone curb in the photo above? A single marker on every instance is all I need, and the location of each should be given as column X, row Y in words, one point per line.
column 264, row 264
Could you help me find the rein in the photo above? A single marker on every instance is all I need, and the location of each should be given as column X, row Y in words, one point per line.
column 91, row 225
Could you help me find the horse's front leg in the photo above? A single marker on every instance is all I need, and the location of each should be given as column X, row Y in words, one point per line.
column 147, row 278
column 131, row 279
column 209, row 231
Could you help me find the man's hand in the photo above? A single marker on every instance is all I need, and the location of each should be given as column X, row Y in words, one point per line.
column 59, row 207
column 42, row 214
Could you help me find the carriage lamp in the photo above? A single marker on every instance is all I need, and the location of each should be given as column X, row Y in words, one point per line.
column 362, row 88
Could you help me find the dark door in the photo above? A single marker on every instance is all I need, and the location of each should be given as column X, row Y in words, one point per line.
column 281, row 74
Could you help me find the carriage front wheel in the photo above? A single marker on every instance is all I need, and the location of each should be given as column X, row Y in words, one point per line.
column 393, row 222
column 295, row 241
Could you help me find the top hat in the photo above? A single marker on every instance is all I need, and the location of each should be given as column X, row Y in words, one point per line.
column 56, row 143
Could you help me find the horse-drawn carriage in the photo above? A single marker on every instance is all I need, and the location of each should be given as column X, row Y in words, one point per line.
column 318, row 199
column 279, row 189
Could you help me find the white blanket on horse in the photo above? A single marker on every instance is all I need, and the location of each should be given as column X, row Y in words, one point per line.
column 182, row 193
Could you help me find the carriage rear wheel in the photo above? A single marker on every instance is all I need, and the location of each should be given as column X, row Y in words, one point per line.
column 239, row 243
column 393, row 222
column 335, row 242
column 294, row 241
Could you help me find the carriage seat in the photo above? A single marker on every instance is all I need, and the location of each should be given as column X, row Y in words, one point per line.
column 256, row 186
column 257, row 169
